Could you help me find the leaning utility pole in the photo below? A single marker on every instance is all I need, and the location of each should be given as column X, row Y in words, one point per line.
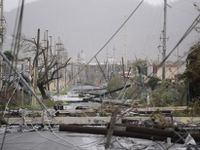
column 164, row 38
column 1, row 40
column 1, row 23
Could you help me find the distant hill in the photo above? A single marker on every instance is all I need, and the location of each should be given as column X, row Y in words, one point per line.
column 87, row 24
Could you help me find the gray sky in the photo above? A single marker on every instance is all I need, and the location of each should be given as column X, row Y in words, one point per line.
column 85, row 25
column 11, row 4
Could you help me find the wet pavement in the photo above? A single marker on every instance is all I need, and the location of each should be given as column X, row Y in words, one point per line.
column 46, row 140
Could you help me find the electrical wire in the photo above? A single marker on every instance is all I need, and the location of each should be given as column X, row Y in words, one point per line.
column 4, row 135
column 16, row 48
column 191, row 27
column 17, row 38
column 25, row 83
column 109, row 40
column 42, row 104
column 59, row 137
column 69, row 144
column 6, row 106
column 180, row 138
column 38, row 144
column 125, row 148
column 188, row 31
column 94, row 143
column 18, row 34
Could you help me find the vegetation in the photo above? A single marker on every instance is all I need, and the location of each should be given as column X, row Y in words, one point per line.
column 153, row 82
column 195, row 109
column 168, row 93
column 192, row 111
column 175, row 93
column 49, row 103
column 46, row 66
column 114, row 83
column 140, row 67
column 9, row 55
column 192, row 73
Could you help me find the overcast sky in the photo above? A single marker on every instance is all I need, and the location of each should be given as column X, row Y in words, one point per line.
column 85, row 25
column 11, row 4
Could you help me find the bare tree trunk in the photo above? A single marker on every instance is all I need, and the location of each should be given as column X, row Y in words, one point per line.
column 42, row 91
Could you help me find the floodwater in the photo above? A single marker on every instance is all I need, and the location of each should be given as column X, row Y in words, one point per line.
column 55, row 140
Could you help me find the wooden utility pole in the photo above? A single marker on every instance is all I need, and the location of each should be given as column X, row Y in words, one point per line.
column 164, row 38
column 47, row 56
column 1, row 40
column 35, row 69
column 59, row 48
column 65, row 71
column 50, row 46
column 111, row 128
column 72, row 73
column 23, row 88
column 123, row 69
column 24, row 82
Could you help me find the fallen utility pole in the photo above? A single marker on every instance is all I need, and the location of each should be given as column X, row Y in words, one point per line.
column 112, row 91
column 134, row 132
